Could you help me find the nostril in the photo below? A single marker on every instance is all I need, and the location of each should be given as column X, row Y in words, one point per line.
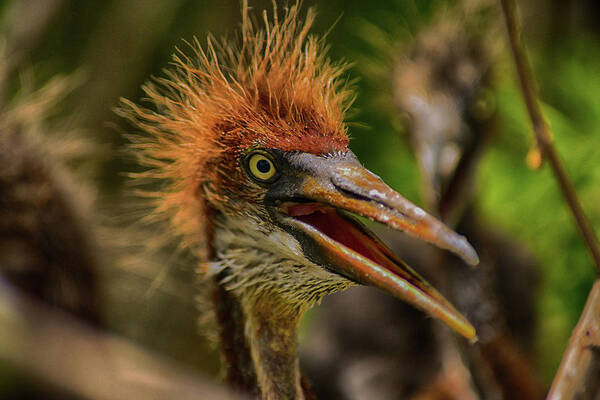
column 353, row 194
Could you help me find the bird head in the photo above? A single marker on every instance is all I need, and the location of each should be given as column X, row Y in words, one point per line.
column 443, row 85
column 251, row 140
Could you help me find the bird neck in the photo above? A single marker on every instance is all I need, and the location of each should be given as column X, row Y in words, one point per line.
column 268, row 284
column 272, row 334
column 259, row 345
column 239, row 368
column 258, row 326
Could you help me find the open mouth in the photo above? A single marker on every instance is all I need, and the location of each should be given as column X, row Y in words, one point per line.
column 351, row 250
column 347, row 231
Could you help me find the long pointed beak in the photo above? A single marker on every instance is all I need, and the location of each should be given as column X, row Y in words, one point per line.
column 350, row 249
column 358, row 190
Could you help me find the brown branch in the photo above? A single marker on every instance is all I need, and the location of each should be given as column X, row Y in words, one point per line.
column 580, row 360
column 581, row 354
column 88, row 363
column 542, row 132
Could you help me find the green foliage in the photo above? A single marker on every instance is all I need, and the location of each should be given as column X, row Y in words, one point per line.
column 528, row 203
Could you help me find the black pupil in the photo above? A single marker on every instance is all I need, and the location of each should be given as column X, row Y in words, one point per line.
column 263, row 166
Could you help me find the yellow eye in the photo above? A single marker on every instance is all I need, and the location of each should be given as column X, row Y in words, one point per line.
column 261, row 167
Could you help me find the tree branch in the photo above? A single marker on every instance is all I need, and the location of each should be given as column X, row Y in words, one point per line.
column 91, row 364
column 575, row 374
column 542, row 132
column 581, row 356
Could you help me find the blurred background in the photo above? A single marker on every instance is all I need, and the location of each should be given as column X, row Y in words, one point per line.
column 64, row 64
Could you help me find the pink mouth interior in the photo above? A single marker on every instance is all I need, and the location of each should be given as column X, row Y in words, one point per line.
column 349, row 233
column 327, row 221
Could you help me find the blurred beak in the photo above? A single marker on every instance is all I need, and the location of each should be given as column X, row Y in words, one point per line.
column 442, row 167
column 350, row 249
column 436, row 129
column 428, row 160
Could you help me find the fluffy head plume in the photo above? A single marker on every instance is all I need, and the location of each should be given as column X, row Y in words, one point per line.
column 274, row 87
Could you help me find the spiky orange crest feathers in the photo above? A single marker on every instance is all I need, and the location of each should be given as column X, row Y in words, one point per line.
column 273, row 88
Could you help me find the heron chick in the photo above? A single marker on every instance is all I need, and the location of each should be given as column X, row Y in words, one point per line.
column 251, row 142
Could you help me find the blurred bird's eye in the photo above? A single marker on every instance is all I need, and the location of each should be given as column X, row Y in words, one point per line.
column 261, row 167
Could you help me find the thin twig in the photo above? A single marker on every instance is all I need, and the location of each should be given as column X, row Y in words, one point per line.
column 580, row 357
column 542, row 132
